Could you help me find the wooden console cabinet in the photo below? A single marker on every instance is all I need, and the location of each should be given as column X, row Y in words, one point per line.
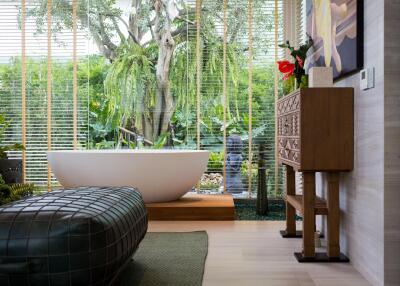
column 315, row 134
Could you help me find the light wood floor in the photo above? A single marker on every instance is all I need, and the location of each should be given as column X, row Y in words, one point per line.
column 253, row 253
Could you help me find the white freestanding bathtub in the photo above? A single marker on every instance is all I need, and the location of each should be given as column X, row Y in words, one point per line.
column 160, row 175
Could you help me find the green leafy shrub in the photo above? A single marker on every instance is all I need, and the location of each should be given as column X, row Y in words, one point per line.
column 15, row 192
column 4, row 123
column 216, row 161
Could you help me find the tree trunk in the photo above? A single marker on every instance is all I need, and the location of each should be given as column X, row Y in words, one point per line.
column 164, row 102
column 146, row 126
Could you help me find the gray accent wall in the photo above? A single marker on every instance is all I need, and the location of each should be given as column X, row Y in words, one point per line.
column 370, row 195
column 392, row 143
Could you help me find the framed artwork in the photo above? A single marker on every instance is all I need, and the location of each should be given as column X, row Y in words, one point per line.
column 336, row 26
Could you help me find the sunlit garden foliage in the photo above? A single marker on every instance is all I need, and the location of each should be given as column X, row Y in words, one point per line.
column 121, row 88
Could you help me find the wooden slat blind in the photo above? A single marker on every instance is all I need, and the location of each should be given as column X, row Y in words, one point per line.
column 41, row 97
column 258, row 43
column 55, row 116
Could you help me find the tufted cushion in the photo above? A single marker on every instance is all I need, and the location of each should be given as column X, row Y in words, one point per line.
column 77, row 236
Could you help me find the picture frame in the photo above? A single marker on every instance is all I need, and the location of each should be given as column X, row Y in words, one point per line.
column 340, row 35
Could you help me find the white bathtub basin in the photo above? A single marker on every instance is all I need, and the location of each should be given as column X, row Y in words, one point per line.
column 160, row 175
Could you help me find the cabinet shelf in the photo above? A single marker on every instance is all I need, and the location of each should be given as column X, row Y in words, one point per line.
column 315, row 134
column 315, row 129
column 321, row 207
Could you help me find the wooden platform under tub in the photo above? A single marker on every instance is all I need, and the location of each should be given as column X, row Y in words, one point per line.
column 194, row 207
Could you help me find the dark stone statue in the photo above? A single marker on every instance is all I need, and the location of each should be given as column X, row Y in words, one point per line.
column 234, row 148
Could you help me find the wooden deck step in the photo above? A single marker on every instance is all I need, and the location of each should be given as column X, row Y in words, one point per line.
column 194, row 207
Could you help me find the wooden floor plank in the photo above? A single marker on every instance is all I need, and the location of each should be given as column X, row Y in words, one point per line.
column 253, row 253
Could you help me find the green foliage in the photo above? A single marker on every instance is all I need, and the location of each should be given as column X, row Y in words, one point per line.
column 299, row 55
column 129, row 85
column 15, row 192
column 238, row 119
column 13, row 147
column 216, row 161
column 4, row 124
column 19, row 191
column 92, row 72
column 161, row 141
column 122, row 91
column 301, row 52
column 5, row 191
column 129, row 82
column 289, row 84
column 91, row 78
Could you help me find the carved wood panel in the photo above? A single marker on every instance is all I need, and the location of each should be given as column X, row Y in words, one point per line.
column 289, row 149
column 289, row 104
column 289, row 125
column 326, row 114
column 288, row 111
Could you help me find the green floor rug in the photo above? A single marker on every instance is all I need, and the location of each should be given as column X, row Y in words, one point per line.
column 167, row 258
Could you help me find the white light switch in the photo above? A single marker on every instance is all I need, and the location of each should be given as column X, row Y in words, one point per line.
column 367, row 78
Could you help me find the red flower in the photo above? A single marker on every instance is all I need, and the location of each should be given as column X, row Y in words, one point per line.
column 286, row 68
column 300, row 61
column 286, row 76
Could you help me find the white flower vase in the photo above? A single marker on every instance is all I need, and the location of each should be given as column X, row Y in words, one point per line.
column 320, row 77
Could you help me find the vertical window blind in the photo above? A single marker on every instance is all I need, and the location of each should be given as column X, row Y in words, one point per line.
column 54, row 106
column 10, row 71
column 246, row 38
column 301, row 18
column 294, row 19
column 295, row 32
column 232, row 74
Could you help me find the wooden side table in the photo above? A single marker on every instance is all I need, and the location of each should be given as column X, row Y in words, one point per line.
column 315, row 134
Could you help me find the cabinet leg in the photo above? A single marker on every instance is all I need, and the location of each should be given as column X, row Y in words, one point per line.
column 333, row 219
column 308, row 214
column 290, row 210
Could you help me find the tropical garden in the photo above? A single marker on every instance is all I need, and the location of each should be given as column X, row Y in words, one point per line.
column 143, row 76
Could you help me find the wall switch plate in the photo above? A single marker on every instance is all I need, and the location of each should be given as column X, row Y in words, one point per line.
column 367, row 78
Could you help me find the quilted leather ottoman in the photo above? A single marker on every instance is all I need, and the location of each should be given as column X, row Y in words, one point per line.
column 70, row 237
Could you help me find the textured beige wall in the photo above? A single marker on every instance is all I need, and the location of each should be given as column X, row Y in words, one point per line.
column 392, row 143
column 362, row 191
column 370, row 195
